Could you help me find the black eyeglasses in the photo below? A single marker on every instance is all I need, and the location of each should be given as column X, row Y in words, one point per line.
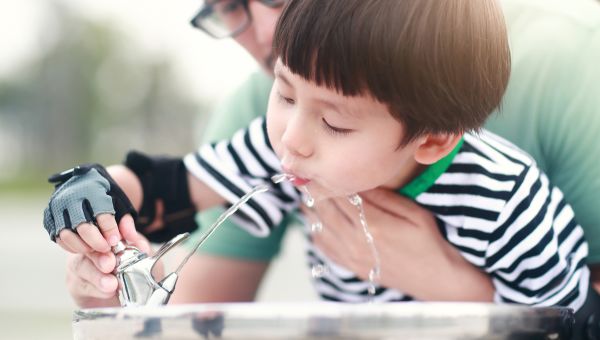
column 227, row 18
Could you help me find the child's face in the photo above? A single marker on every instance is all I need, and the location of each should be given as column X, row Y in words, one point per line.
column 334, row 144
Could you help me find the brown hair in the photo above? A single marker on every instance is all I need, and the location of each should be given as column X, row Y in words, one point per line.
column 440, row 66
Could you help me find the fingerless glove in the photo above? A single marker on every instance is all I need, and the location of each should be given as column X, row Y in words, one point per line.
column 80, row 194
column 164, row 179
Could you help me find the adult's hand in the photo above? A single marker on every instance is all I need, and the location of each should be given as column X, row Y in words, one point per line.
column 415, row 258
column 89, row 276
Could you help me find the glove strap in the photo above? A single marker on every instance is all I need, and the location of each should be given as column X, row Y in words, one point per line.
column 164, row 179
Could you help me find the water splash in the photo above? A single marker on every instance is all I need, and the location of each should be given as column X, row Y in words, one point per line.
column 317, row 270
column 309, row 201
column 375, row 272
column 320, row 269
column 254, row 191
column 281, row 177
column 316, row 227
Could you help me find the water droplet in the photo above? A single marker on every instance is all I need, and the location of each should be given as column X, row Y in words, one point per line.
column 309, row 201
column 355, row 200
column 316, row 227
column 318, row 270
column 278, row 178
column 282, row 177
column 374, row 274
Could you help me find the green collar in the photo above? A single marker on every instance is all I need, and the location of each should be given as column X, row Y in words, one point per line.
column 426, row 179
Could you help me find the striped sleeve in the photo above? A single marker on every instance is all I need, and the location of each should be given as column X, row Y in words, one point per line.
column 233, row 167
column 536, row 255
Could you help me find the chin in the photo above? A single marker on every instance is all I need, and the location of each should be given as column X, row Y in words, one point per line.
column 319, row 192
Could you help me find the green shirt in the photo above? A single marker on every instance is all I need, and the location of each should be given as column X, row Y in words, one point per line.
column 551, row 110
column 243, row 105
column 552, row 105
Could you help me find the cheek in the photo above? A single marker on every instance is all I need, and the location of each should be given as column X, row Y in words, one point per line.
column 275, row 128
column 361, row 169
column 348, row 171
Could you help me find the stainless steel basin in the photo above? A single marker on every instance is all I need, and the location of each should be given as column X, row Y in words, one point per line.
column 324, row 320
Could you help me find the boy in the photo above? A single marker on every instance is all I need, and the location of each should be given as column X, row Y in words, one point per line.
column 371, row 94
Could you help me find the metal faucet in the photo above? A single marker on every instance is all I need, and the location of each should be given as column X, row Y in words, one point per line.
column 137, row 285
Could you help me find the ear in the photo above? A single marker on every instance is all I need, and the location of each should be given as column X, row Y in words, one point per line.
column 433, row 147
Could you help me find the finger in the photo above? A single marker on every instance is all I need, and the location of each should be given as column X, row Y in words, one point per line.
column 85, row 280
column 386, row 204
column 340, row 247
column 390, row 202
column 143, row 244
column 109, row 228
column 72, row 241
column 309, row 214
column 104, row 262
column 127, row 229
column 64, row 246
column 91, row 235
column 337, row 212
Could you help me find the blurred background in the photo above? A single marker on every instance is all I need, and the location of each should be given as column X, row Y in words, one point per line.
column 87, row 80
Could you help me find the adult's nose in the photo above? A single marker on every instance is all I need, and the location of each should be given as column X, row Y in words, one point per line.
column 264, row 20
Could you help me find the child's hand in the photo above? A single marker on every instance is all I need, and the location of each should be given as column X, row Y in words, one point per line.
column 89, row 276
column 85, row 195
column 91, row 238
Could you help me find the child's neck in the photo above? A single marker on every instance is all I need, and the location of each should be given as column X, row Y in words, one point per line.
column 408, row 173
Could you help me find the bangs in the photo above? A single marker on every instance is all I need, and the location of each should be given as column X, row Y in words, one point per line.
column 439, row 66
column 318, row 41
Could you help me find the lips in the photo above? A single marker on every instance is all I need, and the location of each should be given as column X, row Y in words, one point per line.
column 295, row 179
column 299, row 181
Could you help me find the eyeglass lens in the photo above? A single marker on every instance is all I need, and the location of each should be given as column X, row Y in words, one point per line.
column 225, row 18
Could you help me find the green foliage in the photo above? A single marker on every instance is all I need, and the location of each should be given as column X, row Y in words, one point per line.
column 91, row 95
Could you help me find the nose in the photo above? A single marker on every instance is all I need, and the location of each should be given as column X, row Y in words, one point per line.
column 264, row 19
column 296, row 138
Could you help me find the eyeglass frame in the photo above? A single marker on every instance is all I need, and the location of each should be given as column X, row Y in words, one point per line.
column 195, row 21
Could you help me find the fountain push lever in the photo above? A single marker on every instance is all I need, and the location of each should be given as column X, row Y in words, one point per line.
column 137, row 285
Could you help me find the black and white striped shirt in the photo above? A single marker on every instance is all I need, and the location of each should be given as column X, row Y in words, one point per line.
column 493, row 204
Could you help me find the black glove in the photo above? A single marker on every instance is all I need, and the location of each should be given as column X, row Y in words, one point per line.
column 163, row 179
column 587, row 318
column 81, row 194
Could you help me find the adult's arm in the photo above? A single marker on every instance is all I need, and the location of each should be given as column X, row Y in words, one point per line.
column 213, row 278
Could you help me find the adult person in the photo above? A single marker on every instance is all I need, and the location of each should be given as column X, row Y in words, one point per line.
column 561, row 100
column 230, row 256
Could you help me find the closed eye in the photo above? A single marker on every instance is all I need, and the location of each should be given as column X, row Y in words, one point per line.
column 335, row 130
column 286, row 100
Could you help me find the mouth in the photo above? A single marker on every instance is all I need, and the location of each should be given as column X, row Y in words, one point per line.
column 295, row 179
column 299, row 181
